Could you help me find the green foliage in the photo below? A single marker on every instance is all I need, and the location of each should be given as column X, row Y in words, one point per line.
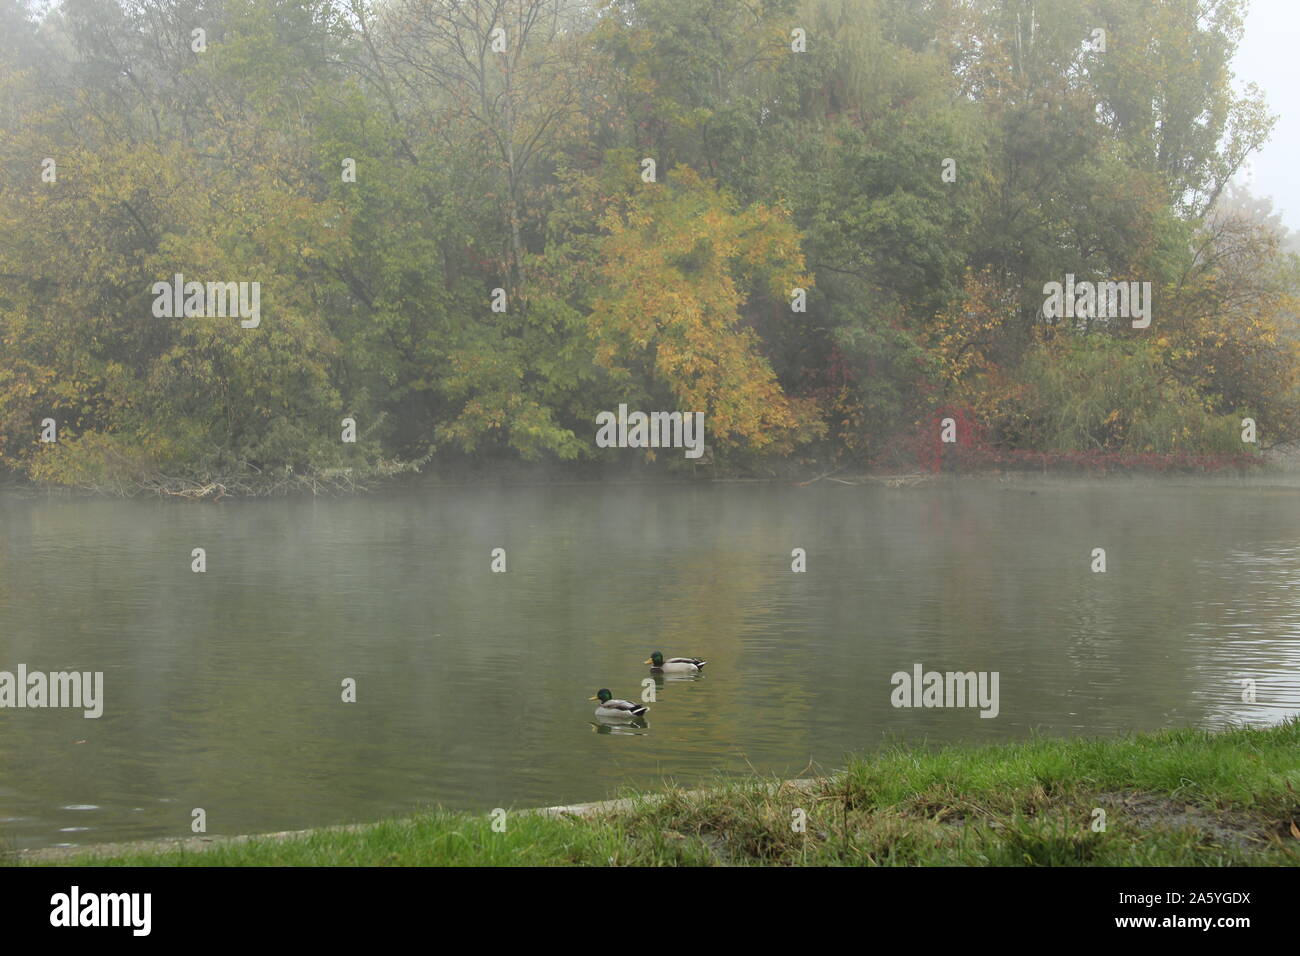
column 1094, row 392
column 520, row 171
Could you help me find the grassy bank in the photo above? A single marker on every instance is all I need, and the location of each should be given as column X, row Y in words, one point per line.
column 1175, row 798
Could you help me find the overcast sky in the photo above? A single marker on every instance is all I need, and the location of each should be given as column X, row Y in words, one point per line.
column 1269, row 56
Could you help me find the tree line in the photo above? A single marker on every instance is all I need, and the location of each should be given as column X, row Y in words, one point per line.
column 478, row 224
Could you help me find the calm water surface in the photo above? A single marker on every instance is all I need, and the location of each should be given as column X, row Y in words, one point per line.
column 222, row 690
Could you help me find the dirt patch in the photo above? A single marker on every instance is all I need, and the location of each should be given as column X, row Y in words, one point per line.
column 1149, row 811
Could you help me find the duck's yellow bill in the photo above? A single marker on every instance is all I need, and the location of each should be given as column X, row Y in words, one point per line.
column 593, row 698
column 651, row 661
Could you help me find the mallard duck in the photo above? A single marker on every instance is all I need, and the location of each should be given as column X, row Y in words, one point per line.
column 675, row 665
column 611, row 706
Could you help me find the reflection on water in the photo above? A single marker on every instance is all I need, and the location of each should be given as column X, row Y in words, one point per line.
column 635, row 727
column 223, row 689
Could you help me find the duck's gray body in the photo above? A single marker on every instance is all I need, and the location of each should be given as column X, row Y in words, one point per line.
column 620, row 708
column 682, row 665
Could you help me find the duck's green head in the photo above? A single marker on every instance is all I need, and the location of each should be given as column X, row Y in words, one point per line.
column 602, row 695
column 657, row 659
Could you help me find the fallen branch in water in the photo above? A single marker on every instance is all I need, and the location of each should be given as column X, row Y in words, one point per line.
column 812, row 481
column 252, row 482
column 889, row 481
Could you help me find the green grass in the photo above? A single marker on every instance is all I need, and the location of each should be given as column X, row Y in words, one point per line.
column 1178, row 798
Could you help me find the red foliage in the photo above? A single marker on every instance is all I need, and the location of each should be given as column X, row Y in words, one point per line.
column 933, row 452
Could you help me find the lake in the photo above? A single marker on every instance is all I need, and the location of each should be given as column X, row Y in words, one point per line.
column 222, row 689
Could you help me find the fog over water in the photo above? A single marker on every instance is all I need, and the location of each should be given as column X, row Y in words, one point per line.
column 222, row 690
